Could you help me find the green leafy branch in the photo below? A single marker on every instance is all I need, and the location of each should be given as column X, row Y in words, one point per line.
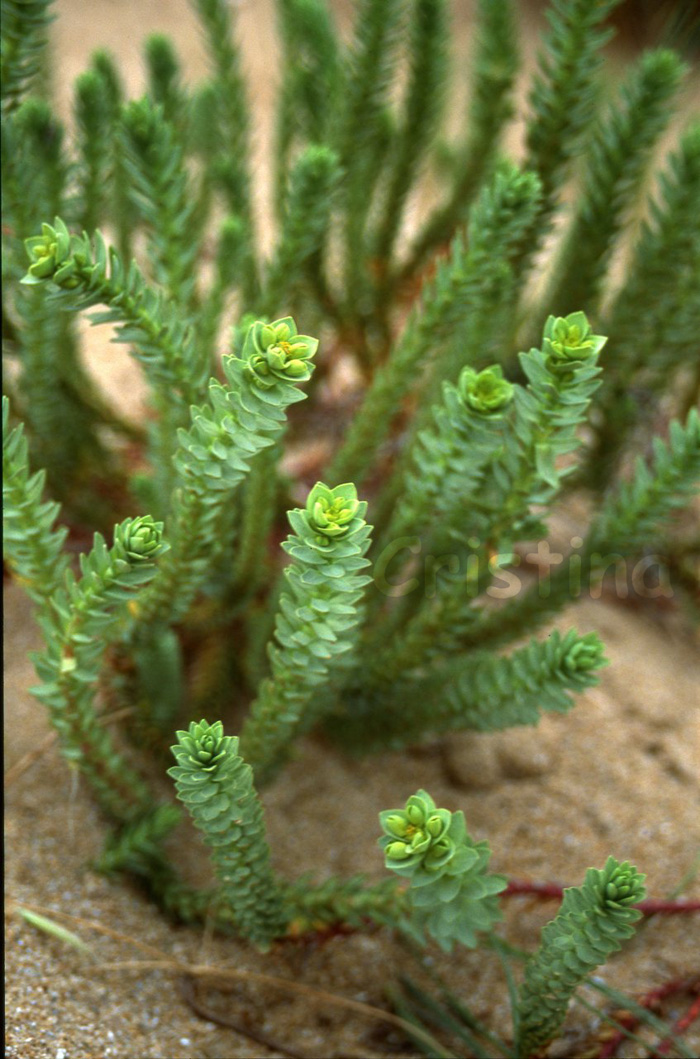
column 462, row 286
column 450, row 894
column 562, row 377
column 160, row 189
column 593, row 921
column 316, row 625
column 24, row 35
column 619, row 150
column 31, row 546
column 562, row 100
column 494, row 66
column 629, row 517
column 242, row 417
column 478, row 692
column 84, row 616
column 85, row 272
column 216, row 786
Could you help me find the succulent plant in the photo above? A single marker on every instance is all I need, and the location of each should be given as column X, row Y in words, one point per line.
column 486, row 392
column 462, row 435
column 568, row 341
column 451, row 896
column 275, row 351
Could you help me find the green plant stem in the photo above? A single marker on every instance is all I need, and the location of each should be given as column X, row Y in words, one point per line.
column 495, row 66
column 421, row 115
column 259, row 510
column 316, row 625
column 619, row 149
column 463, row 286
column 362, row 133
column 562, row 104
column 216, row 786
column 240, row 419
column 592, row 922
column 31, row 546
column 83, row 619
column 230, row 161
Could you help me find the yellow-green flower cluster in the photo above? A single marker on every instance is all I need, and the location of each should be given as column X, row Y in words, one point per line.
column 568, row 341
column 451, row 896
column 332, row 512
column 141, row 538
column 50, row 256
column 417, row 835
column 276, row 352
column 584, row 654
column 485, row 392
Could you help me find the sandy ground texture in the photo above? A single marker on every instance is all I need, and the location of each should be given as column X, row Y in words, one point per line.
column 619, row 775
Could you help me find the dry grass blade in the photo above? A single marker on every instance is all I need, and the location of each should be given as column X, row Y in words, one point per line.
column 163, row 962
column 13, row 906
column 32, row 756
column 641, row 1013
column 188, row 989
column 27, row 760
column 319, row 996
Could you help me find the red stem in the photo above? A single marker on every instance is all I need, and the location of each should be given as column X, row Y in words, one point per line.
column 650, row 1000
column 680, row 1026
column 650, row 907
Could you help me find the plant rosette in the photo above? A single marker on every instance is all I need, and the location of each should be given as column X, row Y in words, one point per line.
column 334, row 512
column 485, row 392
column 568, row 341
column 142, row 539
column 50, row 256
column 423, row 842
column 277, row 352
column 205, row 746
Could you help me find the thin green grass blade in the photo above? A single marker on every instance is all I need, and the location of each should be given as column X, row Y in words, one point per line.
column 467, row 1020
column 502, row 951
column 49, row 926
column 427, row 1043
column 431, row 1010
column 621, row 1000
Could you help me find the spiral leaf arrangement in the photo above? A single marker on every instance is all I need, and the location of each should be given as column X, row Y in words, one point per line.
column 450, row 895
column 243, row 416
column 85, row 272
column 316, row 625
column 216, row 786
column 593, row 921
column 451, row 458
column 84, row 617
